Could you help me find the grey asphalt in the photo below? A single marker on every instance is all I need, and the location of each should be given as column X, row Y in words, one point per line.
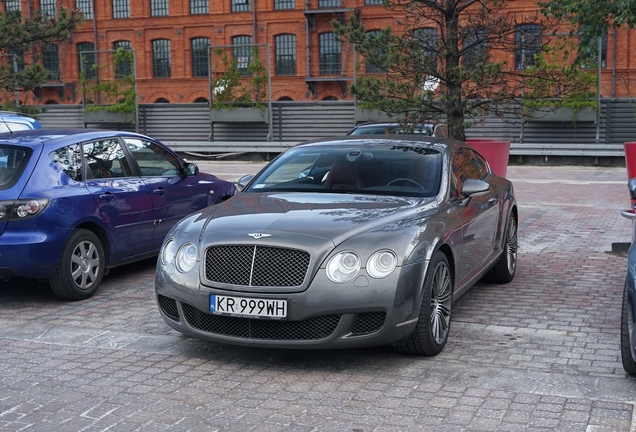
column 538, row 354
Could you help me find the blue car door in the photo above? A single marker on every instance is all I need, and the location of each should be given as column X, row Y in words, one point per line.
column 174, row 195
column 124, row 200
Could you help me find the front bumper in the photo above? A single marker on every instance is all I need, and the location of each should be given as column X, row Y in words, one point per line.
column 362, row 313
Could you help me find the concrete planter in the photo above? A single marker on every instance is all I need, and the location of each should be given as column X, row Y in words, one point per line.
column 240, row 115
column 587, row 114
column 108, row 117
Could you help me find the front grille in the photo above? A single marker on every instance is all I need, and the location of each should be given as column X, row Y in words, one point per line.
column 247, row 328
column 368, row 322
column 169, row 307
column 256, row 266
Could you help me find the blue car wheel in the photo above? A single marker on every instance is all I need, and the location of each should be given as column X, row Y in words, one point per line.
column 81, row 267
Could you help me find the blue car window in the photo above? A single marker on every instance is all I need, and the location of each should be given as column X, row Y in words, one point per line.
column 69, row 160
column 153, row 160
column 106, row 159
column 13, row 160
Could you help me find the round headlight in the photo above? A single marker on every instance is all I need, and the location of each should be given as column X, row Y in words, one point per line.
column 343, row 267
column 168, row 252
column 186, row 257
column 381, row 264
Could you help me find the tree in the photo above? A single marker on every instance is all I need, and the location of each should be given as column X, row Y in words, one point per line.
column 20, row 35
column 453, row 60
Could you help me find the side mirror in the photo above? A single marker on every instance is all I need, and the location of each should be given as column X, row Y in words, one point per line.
column 190, row 168
column 243, row 181
column 473, row 186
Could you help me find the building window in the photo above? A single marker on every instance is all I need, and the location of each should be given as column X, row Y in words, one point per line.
column 370, row 67
column 200, row 48
column 48, row 8
column 86, row 6
column 158, row 7
column 241, row 51
column 329, row 54
column 475, row 48
column 589, row 54
column 285, row 54
column 13, row 5
column 16, row 59
column 199, row 7
column 121, row 9
column 527, row 44
column 240, row 5
column 123, row 68
column 284, row 4
column 86, row 59
column 51, row 61
column 427, row 41
column 373, row 2
column 161, row 58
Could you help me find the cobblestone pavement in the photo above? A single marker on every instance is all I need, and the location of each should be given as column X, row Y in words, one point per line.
column 538, row 354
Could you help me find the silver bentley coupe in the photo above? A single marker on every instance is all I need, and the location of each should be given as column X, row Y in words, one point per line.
column 349, row 242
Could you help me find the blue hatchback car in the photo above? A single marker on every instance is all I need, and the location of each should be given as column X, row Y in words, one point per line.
column 74, row 203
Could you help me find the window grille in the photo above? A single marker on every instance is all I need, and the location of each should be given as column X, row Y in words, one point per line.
column 199, row 7
column 13, row 5
column 528, row 44
column 121, row 9
column 51, row 61
column 123, row 68
column 158, row 7
column 240, row 5
column 161, row 58
column 86, row 6
column 200, row 48
column 242, row 51
column 284, row 4
column 285, row 54
column 48, row 8
column 86, row 59
column 330, row 59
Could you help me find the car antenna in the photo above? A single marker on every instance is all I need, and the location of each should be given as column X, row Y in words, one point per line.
column 7, row 125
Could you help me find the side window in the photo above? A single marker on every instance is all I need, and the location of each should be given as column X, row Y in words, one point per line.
column 467, row 165
column 106, row 159
column 152, row 159
column 69, row 160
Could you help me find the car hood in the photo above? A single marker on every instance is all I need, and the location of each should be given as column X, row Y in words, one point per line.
column 295, row 217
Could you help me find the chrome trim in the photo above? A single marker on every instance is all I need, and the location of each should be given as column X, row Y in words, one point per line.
column 414, row 320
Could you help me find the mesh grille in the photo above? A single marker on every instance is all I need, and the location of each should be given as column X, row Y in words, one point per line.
column 310, row 329
column 256, row 266
column 366, row 323
column 169, row 307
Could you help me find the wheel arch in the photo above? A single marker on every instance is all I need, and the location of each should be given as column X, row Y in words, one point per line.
column 101, row 235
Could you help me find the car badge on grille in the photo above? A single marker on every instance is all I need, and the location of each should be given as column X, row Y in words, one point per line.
column 259, row 235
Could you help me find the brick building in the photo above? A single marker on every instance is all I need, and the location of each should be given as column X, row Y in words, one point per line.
column 170, row 40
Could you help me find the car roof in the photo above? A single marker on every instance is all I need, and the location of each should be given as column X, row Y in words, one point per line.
column 375, row 140
column 17, row 117
column 52, row 137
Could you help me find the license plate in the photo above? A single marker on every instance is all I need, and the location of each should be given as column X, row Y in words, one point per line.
column 248, row 307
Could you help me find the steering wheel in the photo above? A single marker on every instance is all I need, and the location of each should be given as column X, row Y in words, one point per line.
column 404, row 179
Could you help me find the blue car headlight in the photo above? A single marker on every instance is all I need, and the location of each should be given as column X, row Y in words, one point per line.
column 186, row 257
column 343, row 267
column 381, row 264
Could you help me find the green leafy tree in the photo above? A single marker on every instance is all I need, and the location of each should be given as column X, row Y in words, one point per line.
column 20, row 35
column 452, row 60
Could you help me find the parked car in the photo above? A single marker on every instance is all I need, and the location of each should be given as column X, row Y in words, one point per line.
column 628, row 310
column 11, row 121
column 431, row 129
column 74, row 203
column 350, row 242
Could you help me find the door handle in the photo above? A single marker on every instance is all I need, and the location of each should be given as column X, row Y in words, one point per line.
column 159, row 191
column 107, row 196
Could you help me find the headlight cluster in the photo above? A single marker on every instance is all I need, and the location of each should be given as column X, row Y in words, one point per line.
column 184, row 257
column 22, row 209
column 344, row 266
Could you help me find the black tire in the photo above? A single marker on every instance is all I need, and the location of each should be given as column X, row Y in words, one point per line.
column 431, row 332
column 627, row 328
column 506, row 266
column 81, row 267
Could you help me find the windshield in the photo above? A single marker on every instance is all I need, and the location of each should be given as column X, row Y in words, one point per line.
column 13, row 160
column 424, row 129
column 384, row 170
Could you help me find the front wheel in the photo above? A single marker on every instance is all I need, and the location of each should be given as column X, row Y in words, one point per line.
column 81, row 267
column 627, row 327
column 431, row 332
column 506, row 266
